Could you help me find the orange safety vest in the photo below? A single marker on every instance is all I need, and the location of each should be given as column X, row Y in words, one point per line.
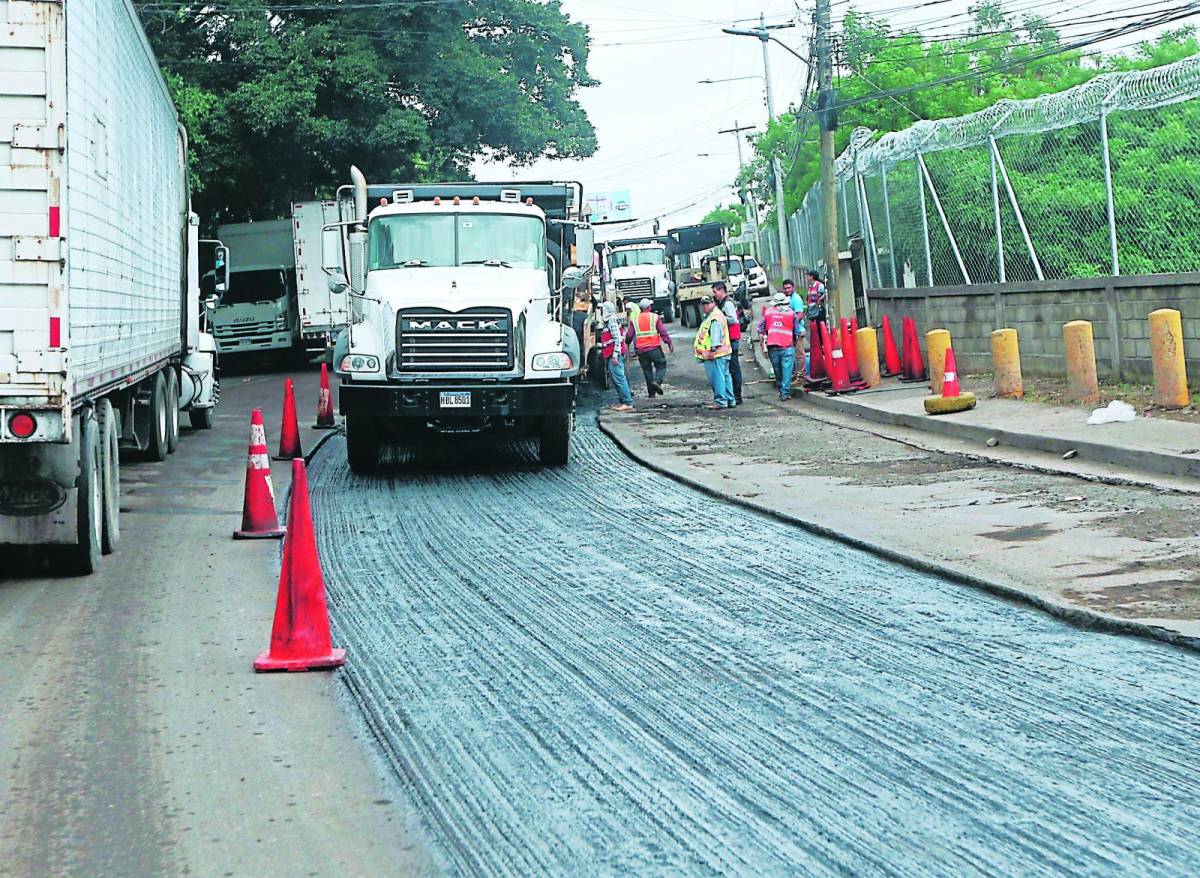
column 646, row 332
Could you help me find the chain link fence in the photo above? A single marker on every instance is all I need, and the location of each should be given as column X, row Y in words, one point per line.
column 1101, row 179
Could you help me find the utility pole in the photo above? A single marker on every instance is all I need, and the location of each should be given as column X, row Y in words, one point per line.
column 736, row 131
column 827, row 116
column 763, row 34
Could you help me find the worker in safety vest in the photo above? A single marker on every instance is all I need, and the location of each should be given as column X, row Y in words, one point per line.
column 612, row 349
column 781, row 327
column 712, row 349
column 648, row 334
column 734, row 320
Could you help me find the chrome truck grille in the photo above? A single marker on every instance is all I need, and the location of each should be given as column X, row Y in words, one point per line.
column 434, row 340
column 636, row 286
column 230, row 332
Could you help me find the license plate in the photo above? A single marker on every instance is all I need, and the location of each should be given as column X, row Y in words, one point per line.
column 455, row 400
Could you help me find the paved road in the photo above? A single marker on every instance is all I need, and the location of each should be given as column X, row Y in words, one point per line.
column 595, row 670
column 135, row 740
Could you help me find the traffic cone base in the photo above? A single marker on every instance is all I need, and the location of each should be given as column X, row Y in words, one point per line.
column 259, row 519
column 289, row 431
column 300, row 639
column 324, row 403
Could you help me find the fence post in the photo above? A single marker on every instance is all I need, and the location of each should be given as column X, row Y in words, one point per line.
column 1108, row 188
column 887, row 216
column 845, row 213
column 1012, row 199
column 924, row 222
column 869, row 228
column 996, row 212
column 937, row 202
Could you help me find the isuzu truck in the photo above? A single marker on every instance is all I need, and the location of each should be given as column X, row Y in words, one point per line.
column 101, row 341
column 258, row 313
column 460, row 299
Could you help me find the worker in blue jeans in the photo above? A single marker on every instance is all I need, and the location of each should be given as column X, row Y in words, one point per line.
column 712, row 348
column 780, row 328
column 612, row 348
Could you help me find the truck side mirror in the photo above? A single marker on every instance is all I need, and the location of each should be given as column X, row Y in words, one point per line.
column 338, row 283
column 221, row 269
column 211, row 302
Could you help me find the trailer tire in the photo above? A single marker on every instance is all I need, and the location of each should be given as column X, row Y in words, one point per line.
column 84, row 557
column 202, row 419
column 362, row 443
column 110, row 466
column 555, row 439
column 172, row 410
column 156, row 448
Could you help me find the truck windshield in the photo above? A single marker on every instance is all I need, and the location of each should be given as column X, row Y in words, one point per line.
column 246, row 287
column 626, row 258
column 422, row 240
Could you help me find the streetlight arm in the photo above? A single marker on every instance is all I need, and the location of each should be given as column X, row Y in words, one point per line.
column 738, row 32
column 779, row 42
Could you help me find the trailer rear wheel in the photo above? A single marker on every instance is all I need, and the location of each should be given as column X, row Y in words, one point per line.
column 110, row 467
column 84, row 557
column 172, row 411
column 362, row 443
column 202, row 419
column 555, row 439
column 156, row 449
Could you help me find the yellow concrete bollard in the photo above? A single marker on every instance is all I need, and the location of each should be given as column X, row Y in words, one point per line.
column 867, row 347
column 1006, row 364
column 1170, row 368
column 1080, row 348
column 936, row 342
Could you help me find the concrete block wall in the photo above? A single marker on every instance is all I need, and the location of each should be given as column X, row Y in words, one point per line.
column 1117, row 308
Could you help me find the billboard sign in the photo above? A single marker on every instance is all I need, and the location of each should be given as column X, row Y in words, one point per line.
column 610, row 207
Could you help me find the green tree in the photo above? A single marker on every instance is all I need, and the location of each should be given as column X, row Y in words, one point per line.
column 280, row 98
column 733, row 216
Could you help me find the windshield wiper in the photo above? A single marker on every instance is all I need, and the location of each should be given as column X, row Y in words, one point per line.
column 493, row 263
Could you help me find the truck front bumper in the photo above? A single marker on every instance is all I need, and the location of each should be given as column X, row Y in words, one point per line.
column 425, row 400
column 276, row 341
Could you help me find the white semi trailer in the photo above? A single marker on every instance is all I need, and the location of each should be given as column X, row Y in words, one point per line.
column 101, row 324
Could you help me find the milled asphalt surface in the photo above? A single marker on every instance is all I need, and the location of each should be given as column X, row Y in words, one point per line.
column 135, row 738
column 597, row 671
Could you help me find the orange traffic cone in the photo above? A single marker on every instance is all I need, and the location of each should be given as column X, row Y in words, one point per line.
column 839, row 372
column 300, row 639
column 952, row 398
column 816, row 353
column 324, row 403
column 950, row 385
column 259, row 520
column 849, row 349
column 827, row 349
column 914, row 363
column 891, row 357
column 289, row 431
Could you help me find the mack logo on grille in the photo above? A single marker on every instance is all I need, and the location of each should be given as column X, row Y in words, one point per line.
column 411, row 325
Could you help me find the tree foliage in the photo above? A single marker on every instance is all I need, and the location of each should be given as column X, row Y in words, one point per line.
column 280, row 98
column 733, row 216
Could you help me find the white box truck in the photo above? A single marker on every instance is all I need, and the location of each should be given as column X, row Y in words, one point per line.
column 258, row 311
column 101, row 341
column 323, row 313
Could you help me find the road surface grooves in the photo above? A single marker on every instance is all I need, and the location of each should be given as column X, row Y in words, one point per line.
column 596, row 670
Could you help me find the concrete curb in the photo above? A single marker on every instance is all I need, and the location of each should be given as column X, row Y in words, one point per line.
column 1075, row 616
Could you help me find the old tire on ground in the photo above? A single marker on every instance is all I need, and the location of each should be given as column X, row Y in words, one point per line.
column 946, row 405
column 202, row 419
column 156, row 448
column 83, row 558
column 555, row 439
column 362, row 443
column 172, row 410
column 110, row 468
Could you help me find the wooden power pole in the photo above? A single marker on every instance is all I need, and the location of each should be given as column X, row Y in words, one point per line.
column 827, row 115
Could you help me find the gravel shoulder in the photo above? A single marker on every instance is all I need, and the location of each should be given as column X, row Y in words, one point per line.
column 1119, row 556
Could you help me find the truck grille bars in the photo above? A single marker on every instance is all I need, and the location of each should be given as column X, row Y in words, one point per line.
column 636, row 286
column 435, row 340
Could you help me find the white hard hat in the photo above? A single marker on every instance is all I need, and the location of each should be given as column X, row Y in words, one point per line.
column 646, row 304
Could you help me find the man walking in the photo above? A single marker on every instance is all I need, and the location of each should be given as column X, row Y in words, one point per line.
column 781, row 327
column 713, row 350
column 612, row 349
column 647, row 333
column 733, row 320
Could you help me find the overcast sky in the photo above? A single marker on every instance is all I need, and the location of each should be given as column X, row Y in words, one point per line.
column 654, row 120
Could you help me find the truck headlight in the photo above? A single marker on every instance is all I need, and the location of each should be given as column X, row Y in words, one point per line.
column 556, row 362
column 359, row 363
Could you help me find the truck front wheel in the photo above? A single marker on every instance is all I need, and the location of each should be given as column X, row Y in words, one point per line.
column 556, row 439
column 362, row 443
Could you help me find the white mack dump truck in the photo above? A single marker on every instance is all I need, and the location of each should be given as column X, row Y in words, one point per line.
column 640, row 268
column 101, row 341
column 460, row 295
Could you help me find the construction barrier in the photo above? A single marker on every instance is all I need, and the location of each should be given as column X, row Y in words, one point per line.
column 1006, row 364
column 867, row 349
column 1080, row 349
column 1170, row 369
column 937, row 342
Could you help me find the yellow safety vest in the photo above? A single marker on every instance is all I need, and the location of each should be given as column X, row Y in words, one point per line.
column 704, row 336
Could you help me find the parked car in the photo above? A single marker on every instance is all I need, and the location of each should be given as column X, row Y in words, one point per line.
column 756, row 276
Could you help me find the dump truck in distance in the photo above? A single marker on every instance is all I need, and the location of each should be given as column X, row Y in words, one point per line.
column 102, row 333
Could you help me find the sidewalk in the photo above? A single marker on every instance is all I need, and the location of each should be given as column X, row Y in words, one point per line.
column 1116, row 556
